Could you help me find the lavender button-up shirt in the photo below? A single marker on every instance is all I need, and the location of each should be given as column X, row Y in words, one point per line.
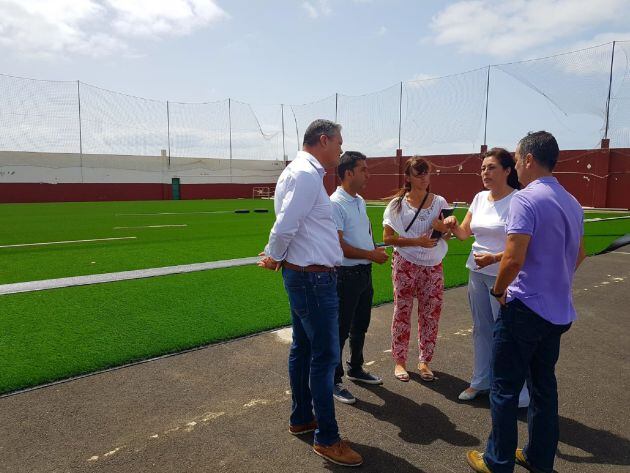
column 555, row 221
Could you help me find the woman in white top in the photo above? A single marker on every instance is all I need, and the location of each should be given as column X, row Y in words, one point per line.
column 486, row 219
column 408, row 222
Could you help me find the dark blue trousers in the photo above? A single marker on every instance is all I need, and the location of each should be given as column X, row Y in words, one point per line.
column 314, row 351
column 525, row 347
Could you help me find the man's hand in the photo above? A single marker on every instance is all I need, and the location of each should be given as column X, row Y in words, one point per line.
column 269, row 263
column 502, row 299
column 484, row 259
column 378, row 255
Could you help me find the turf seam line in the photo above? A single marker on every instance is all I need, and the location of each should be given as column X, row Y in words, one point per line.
column 18, row 245
column 176, row 213
column 606, row 219
column 151, row 226
column 46, row 284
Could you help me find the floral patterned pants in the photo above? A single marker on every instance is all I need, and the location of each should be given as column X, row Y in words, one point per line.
column 426, row 283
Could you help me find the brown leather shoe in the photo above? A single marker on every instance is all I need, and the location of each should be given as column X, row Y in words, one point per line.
column 300, row 429
column 340, row 453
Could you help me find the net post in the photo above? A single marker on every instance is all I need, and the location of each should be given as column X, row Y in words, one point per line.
column 230, row 128
column 612, row 60
column 80, row 129
column 400, row 117
column 297, row 132
column 485, row 123
column 168, row 133
column 284, row 151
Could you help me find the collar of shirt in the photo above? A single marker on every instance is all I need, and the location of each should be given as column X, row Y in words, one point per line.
column 313, row 160
column 544, row 179
column 345, row 196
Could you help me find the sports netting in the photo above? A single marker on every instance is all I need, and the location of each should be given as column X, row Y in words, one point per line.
column 566, row 93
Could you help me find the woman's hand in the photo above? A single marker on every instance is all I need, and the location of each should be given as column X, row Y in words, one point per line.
column 425, row 242
column 484, row 259
column 439, row 226
column 451, row 222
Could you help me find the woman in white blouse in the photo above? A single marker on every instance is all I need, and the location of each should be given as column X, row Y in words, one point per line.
column 486, row 220
column 408, row 222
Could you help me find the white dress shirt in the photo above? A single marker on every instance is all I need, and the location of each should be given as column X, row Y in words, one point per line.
column 304, row 232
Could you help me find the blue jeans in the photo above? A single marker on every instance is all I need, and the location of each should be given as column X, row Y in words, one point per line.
column 524, row 343
column 314, row 351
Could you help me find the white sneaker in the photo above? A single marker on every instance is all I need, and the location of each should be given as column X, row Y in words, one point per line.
column 467, row 395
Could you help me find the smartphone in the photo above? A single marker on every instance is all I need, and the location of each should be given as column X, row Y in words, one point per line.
column 443, row 214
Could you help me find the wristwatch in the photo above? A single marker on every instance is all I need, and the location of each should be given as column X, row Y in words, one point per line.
column 494, row 294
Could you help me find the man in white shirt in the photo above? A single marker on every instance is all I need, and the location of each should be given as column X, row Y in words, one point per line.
column 304, row 242
column 354, row 276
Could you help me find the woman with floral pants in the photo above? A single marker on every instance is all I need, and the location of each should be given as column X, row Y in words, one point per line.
column 408, row 222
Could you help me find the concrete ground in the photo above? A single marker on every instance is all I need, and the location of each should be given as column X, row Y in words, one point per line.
column 225, row 407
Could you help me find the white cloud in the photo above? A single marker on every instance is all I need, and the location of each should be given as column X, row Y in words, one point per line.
column 504, row 28
column 155, row 18
column 422, row 76
column 381, row 31
column 317, row 9
column 97, row 27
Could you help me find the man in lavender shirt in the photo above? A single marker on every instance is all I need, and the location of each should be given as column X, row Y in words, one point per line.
column 534, row 286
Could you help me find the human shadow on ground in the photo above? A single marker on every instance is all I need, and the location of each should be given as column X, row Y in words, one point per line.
column 418, row 423
column 374, row 459
column 604, row 447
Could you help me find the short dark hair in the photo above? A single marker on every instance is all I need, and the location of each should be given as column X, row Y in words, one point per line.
column 318, row 128
column 506, row 161
column 542, row 146
column 348, row 162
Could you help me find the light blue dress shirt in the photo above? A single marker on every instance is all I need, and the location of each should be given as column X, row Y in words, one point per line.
column 350, row 215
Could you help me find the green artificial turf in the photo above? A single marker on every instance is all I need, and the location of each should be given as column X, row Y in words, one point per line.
column 207, row 236
column 50, row 335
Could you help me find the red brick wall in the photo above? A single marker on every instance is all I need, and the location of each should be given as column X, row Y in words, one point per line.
column 36, row 192
column 597, row 178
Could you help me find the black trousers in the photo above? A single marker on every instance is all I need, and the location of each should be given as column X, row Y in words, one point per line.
column 354, row 287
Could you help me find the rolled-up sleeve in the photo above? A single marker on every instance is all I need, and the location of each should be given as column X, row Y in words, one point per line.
column 294, row 207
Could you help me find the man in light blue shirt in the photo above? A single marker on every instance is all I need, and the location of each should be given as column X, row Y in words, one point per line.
column 354, row 276
column 304, row 242
column 534, row 286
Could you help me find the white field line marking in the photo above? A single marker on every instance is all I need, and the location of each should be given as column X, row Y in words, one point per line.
column 66, row 242
column 178, row 213
column 45, row 284
column 604, row 219
column 621, row 252
column 151, row 226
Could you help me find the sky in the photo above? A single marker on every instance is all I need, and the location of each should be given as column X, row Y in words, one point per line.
column 295, row 52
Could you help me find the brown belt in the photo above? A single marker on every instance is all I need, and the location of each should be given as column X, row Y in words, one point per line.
column 311, row 268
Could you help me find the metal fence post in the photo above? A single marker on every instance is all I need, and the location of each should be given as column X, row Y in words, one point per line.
column 230, row 127
column 168, row 132
column 80, row 130
column 485, row 124
column 284, row 151
column 400, row 114
column 612, row 60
